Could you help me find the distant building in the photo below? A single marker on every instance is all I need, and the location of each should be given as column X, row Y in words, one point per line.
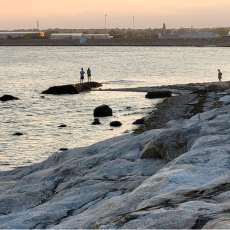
column 97, row 36
column 83, row 38
column 186, row 34
column 23, row 34
column 68, row 36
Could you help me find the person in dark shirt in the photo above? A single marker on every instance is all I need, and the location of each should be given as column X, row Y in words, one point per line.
column 89, row 74
column 220, row 75
column 82, row 76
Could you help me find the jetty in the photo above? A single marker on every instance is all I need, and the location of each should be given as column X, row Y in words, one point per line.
column 175, row 88
column 175, row 174
column 72, row 88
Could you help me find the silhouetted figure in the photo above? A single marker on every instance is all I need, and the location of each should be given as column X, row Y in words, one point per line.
column 82, row 76
column 220, row 75
column 89, row 74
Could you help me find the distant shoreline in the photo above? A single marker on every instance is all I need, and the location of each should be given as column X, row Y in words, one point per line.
column 156, row 43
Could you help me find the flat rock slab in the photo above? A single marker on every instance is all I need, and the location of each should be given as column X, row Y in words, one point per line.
column 72, row 89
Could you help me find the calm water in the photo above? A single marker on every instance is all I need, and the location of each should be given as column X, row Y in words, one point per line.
column 26, row 71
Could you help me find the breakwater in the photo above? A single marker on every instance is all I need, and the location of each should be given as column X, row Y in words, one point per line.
column 173, row 177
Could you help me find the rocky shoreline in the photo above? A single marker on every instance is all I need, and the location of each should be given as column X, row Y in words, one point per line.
column 174, row 174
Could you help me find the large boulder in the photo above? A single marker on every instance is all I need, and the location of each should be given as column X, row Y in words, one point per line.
column 72, row 89
column 166, row 146
column 103, row 111
column 8, row 98
column 158, row 94
column 59, row 90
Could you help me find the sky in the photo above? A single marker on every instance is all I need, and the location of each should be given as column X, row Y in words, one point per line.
column 90, row 13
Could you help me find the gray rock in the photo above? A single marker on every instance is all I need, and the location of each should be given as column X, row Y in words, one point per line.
column 110, row 186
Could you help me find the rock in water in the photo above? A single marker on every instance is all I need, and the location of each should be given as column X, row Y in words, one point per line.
column 103, row 111
column 59, row 90
column 71, row 89
column 139, row 121
column 62, row 126
column 115, row 124
column 96, row 122
column 8, row 98
column 158, row 94
column 63, row 149
column 18, row 134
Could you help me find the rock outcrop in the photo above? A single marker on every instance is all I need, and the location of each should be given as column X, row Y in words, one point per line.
column 139, row 121
column 158, row 94
column 103, row 111
column 71, row 89
column 6, row 97
column 177, row 177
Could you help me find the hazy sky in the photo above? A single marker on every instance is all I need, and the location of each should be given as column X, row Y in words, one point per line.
column 90, row 13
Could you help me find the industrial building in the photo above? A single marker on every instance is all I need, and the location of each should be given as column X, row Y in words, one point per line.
column 23, row 34
column 62, row 36
column 186, row 34
column 97, row 36
column 79, row 36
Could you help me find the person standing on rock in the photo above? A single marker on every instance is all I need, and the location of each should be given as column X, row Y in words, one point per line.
column 220, row 75
column 89, row 74
column 82, row 76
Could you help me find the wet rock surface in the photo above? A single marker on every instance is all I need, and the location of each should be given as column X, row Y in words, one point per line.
column 175, row 177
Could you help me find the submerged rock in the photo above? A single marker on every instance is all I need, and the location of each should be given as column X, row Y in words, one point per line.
column 8, row 98
column 18, row 134
column 63, row 149
column 62, row 126
column 103, row 111
column 115, row 124
column 96, row 122
column 158, row 94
